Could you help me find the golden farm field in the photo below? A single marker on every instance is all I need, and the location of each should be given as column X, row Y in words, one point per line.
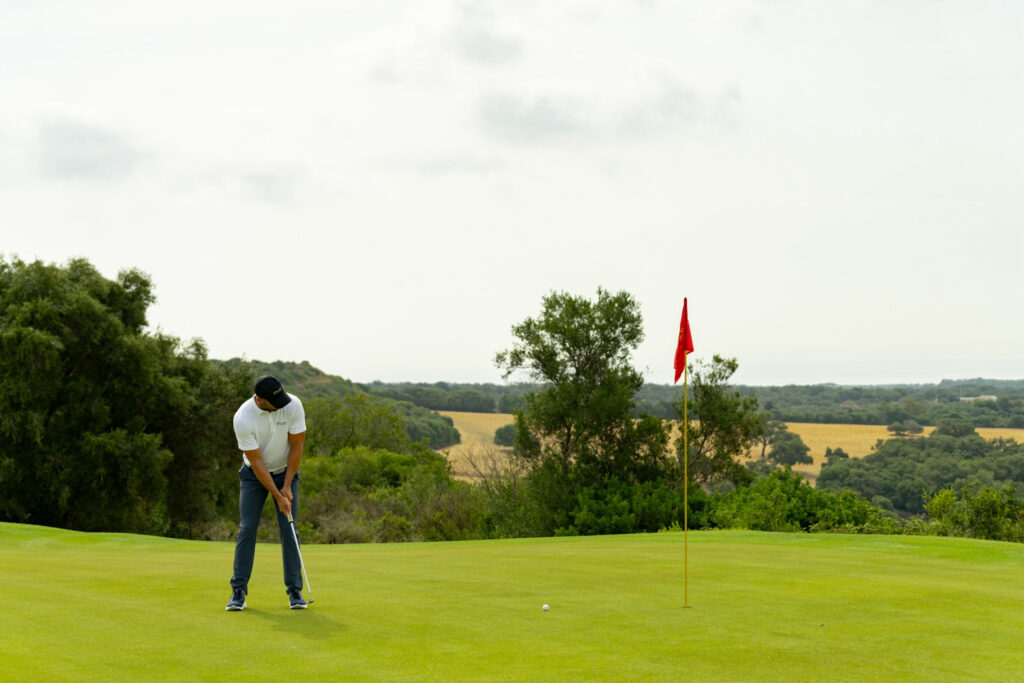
column 477, row 430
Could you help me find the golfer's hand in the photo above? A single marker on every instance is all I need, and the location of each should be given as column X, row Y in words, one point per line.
column 284, row 504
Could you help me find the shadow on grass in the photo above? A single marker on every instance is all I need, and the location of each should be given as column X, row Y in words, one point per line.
column 307, row 622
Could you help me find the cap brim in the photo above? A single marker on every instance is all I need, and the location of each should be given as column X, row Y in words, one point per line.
column 281, row 401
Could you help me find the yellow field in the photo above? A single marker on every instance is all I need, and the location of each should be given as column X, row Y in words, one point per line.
column 477, row 431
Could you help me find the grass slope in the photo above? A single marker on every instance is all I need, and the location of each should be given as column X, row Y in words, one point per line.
column 763, row 607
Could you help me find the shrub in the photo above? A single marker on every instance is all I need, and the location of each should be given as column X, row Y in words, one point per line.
column 506, row 436
column 979, row 512
column 360, row 494
column 783, row 501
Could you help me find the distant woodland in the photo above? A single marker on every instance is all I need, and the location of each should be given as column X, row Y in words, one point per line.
column 982, row 402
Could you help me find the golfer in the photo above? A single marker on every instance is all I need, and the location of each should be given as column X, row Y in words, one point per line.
column 270, row 428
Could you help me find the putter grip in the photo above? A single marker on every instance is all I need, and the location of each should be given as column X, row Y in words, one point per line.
column 290, row 518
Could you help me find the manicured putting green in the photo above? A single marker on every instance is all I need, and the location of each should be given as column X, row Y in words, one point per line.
column 763, row 607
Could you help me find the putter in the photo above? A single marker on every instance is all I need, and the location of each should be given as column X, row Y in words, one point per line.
column 295, row 535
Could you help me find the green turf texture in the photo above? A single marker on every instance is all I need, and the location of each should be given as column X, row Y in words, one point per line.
column 762, row 607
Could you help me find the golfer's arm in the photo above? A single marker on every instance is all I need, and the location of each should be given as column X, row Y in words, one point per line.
column 295, row 443
column 262, row 473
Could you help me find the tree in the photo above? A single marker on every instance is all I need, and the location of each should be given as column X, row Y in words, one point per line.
column 789, row 449
column 835, row 454
column 896, row 428
column 505, row 435
column 193, row 413
column 728, row 424
column 786, row 448
column 955, row 427
column 97, row 413
column 772, row 428
column 580, row 432
column 905, row 428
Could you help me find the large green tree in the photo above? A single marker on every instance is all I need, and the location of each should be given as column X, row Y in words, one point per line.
column 580, row 432
column 727, row 425
column 96, row 414
column 193, row 413
column 789, row 449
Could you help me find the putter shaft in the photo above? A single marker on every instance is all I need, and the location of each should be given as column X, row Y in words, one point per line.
column 295, row 536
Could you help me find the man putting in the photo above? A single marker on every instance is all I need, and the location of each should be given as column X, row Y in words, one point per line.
column 270, row 428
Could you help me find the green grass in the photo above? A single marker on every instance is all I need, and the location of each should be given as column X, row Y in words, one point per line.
column 763, row 607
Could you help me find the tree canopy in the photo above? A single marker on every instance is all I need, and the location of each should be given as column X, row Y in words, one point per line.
column 579, row 432
column 106, row 426
column 727, row 427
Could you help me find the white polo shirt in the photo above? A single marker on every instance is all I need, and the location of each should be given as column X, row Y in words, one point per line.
column 268, row 431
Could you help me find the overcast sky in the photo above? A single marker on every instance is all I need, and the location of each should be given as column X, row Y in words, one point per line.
column 385, row 188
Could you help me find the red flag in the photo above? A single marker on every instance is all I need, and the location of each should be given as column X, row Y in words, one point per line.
column 685, row 345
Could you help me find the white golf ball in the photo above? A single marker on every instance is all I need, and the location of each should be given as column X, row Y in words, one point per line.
column 545, row 608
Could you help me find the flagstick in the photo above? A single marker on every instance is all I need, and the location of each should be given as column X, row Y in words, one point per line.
column 686, row 492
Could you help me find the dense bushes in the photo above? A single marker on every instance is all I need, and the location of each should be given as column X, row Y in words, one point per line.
column 506, row 435
column 621, row 507
column 902, row 470
column 784, row 501
column 980, row 512
column 438, row 430
column 360, row 494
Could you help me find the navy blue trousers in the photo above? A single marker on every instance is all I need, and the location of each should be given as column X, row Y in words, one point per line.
column 251, row 498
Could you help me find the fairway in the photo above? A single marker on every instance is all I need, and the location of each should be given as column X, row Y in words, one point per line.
column 763, row 607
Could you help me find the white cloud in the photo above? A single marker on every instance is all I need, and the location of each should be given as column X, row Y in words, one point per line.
column 514, row 118
column 474, row 36
column 73, row 151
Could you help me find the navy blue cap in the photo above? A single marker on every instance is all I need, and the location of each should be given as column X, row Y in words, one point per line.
column 269, row 389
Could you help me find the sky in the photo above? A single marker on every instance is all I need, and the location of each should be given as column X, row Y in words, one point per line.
column 384, row 188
